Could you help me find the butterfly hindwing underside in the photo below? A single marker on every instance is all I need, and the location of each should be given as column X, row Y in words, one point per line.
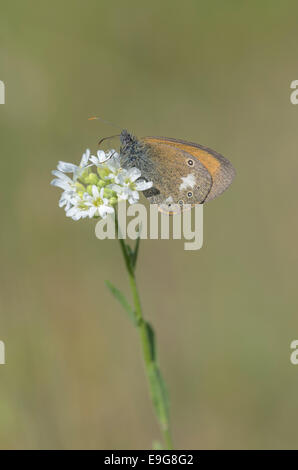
column 182, row 172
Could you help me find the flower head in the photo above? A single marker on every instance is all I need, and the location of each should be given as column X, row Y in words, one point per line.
column 97, row 184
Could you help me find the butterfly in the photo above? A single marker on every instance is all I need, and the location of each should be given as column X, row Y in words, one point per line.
column 183, row 173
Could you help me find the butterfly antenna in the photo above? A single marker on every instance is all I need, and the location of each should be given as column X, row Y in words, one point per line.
column 106, row 122
column 93, row 118
column 106, row 138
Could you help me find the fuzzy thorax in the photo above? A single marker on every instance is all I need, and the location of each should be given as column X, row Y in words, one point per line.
column 134, row 153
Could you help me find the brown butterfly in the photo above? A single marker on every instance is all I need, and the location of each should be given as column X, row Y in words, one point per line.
column 183, row 173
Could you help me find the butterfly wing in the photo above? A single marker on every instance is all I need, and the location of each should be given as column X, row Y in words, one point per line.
column 220, row 169
column 177, row 177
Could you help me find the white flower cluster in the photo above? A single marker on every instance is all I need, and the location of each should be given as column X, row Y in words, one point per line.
column 96, row 185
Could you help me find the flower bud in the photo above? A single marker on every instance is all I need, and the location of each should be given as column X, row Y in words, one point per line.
column 80, row 187
column 101, row 184
column 103, row 171
column 108, row 193
column 113, row 201
column 89, row 189
column 84, row 176
column 92, row 178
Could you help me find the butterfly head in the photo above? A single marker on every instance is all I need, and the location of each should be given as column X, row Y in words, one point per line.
column 127, row 139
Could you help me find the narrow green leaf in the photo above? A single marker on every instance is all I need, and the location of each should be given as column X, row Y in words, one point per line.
column 130, row 254
column 122, row 299
column 135, row 252
column 159, row 395
column 126, row 253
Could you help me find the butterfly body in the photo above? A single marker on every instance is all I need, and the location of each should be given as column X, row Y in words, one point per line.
column 182, row 172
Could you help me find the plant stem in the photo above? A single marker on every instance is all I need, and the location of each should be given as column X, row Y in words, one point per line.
column 156, row 384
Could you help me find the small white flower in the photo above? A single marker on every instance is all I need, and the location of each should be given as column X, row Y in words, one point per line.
column 65, row 167
column 65, row 200
column 108, row 164
column 113, row 164
column 128, row 176
column 103, row 157
column 125, row 193
column 85, row 158
column 97, row 204
column 142, row 185
column 127, row 187
column 76, row 213
column 62, row 181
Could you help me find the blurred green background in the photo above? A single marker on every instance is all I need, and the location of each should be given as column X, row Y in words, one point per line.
column 213, row 72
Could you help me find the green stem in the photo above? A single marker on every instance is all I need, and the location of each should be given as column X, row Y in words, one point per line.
column 146, row 334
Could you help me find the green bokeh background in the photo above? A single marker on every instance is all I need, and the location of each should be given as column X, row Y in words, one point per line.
column 216, row 72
